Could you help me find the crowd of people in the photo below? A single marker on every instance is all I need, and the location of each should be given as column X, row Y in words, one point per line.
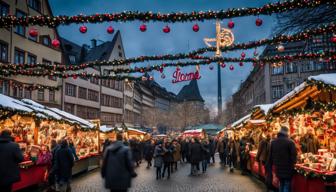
column 59, row 159
column 120, row 158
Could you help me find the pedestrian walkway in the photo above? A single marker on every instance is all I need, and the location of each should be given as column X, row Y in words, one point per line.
column 217, row 179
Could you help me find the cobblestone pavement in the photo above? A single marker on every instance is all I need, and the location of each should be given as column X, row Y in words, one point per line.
column 216, row 179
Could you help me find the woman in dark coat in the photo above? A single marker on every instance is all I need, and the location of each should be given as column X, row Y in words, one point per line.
column 136, row 153
column 64, row 163
column 158, row 159
column 148, row 152
column 232, row 150
column 205, row 155
column 167, row 158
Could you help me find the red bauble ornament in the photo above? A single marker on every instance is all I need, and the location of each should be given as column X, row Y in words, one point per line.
column 33, row 32
column 166, row 29
column 143, row 28
column 333, row 39
column 223, row 65
column 55, row 43
column 74, row 76
column 243, row 55
column 259, row 22
column 143, row 78
column 231, row 67
column 241, row 64
column 211, row 67
column 231, row 24
column 83, row 29
column 110, row 30
column 195, row 28
column 151, row 78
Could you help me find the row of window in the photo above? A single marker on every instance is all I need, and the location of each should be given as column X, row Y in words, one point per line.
column 83, row 93
column 111, row 101
column 306, row 67
column 278, row 90
column 110, row 118
column 113, row 84
column 34, row 4
column 21, row 92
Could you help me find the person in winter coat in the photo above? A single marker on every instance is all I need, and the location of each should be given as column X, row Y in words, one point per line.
column 309, row 143
column 205, row 155
column 64, row 162
column 158, row 159
column 73, row 150
column 263, row 151
column 117, row 168
column 176, row 154
column 195, row 156
column 136, row 153
column 52, row 173
column 167, row 158
column 243, row 155
column 184, row 150
column 148, row 152
column 106, row 143
column 10, row 157
column 283, row 156
column 232, row 154
column 212, row 149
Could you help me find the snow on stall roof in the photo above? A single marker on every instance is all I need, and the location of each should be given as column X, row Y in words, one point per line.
column 265, row 107
column 137, row 130
column 40, row 108
column 14, row 104
column 104, row 128
column 325, row 78
column 194, row 131
column 242, row 120
column 290, row 94
column 257, row 121
column 31, row 102
column 72, row 117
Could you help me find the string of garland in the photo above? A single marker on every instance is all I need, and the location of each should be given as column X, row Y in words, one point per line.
column 33, row 87
column 194, row 55
column 327, row 55
column 267, row 9
column 321, row 85
column 315, row 175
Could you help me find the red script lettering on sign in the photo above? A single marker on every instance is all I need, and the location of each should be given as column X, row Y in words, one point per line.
column 179, row 76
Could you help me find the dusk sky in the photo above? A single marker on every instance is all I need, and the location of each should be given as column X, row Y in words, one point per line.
column 180, row 39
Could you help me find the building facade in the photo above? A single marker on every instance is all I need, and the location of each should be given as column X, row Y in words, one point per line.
column 93, row 98
column 18, row 47
column 271, row 81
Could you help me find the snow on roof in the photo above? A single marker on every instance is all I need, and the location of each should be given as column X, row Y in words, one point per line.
column 104, row 128
column 265, row 107
column 194, row 131
column 40, row 108
column 242, row 120
column 137, row 130
column 258, row 121
column 8, row 102
column 325, row 78
column 290, row 94
column 73, row 118
column 31, row 102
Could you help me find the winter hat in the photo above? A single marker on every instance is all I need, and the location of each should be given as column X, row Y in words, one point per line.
column 284, row 130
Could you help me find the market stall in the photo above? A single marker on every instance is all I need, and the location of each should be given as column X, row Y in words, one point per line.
column 199, row 133
column 310, row 113
column 34, row 126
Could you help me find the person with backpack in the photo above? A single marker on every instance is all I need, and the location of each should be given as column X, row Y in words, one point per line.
column 117, row 168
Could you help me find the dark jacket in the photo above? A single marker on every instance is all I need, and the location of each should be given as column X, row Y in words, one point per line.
column 158, row 156
column 168, row 154
column 148, row 151
column 117, row 168
column 282, row 156
column 205, row 151
column 263, row 151
column 195, row 152
column 64, row 162
column 212, row 147
column 10, row 157
column 136, row 153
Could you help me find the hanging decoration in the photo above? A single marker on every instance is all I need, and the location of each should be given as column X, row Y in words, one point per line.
column 196, row 28
column 231, row 67
column 180, row 77
column 83, row 29
column 231, row 24
column 241, row 64
column 33, row 32
column 163, row 76
column 267, row 9
column 281, row 48
column 110, row 30
column 259, row 22
column 243, row 55
column 55, row 43
column 223, row 65
column 333, row 39
column 166, row 29
column 31, row 87
column 143, row 28
column 211, row 67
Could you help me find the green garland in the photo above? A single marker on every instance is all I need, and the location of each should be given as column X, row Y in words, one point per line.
column 314, row 175
column 268, row 9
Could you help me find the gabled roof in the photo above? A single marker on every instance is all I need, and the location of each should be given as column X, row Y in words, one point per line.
column 190, row 92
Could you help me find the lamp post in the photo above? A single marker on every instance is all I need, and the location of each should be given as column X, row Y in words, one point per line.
column 224, row 37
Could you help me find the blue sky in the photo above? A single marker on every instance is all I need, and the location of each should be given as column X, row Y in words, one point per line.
column 180, row 39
